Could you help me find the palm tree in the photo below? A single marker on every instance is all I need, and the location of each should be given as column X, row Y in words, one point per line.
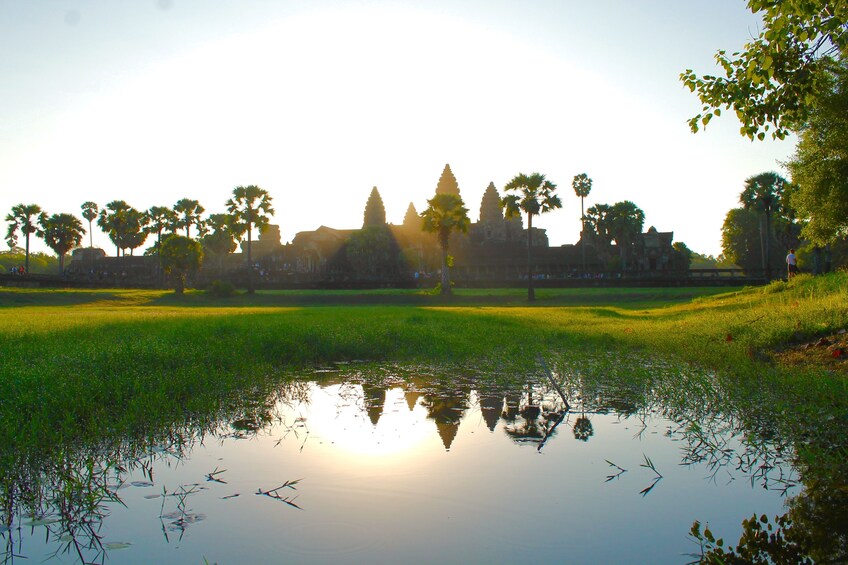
column 23, row 218
column 123, row 224
column 61, row 233
column 249, row 208
column 160, row 219
column 764, row 192
column 89, row 212
column 219, row 239
column 188, row 212
column 534, row 195
column 582, row 185
column 625, row 221
column 445, row 214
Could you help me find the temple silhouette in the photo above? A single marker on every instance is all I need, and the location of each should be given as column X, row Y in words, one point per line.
column 379, row 253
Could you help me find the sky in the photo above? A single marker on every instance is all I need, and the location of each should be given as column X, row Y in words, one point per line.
column 318, row 101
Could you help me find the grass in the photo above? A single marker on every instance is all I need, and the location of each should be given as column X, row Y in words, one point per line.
column 110, row 369
column 79, row 362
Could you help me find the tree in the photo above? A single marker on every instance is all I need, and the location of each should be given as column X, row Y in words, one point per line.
column 123, row 224
column 764, row 193
column 188, row 212
column 598, row 220
column 682, row 259
column 61, row 233
column 625, row 223
column 249, row 208
column 89, row 212
column 534, row 195
column 819, row 167
column 774, row 80
column 180, row 257
column 220, row 239
column 740, row 240
column 445, row 213
column 23, row 218
column 375, row 212
column 582, row 185
column 160, row 219
column 373, row 251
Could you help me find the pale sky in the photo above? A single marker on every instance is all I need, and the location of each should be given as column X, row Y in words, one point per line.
column 318, row 101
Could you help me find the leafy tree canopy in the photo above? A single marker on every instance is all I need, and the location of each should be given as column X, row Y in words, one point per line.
column 773, row 81
column 61, row 233
column 582, row 185
column 180, row 256
column 533, row 195
column 819, row 167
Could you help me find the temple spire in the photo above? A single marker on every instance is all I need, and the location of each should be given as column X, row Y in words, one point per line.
column 447, row 183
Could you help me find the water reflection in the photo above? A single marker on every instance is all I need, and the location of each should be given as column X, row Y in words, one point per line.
column 374, row 464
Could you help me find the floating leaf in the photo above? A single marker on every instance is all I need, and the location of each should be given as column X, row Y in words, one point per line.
column 117, row 545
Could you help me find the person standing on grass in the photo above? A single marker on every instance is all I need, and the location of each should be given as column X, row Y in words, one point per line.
column 791, row 264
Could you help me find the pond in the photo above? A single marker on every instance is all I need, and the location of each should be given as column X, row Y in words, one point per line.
column 386, row 464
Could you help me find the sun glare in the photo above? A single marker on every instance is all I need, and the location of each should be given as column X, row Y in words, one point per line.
column 381, row 425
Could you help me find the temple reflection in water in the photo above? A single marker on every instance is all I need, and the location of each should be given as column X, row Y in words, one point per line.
column 368, row 465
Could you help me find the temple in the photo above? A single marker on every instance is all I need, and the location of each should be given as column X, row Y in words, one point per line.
column 492, row 252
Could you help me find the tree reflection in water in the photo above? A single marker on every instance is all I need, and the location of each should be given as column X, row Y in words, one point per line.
column 69, row 490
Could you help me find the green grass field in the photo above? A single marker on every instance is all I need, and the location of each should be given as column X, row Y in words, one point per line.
column 101, row 371
column 77, row 362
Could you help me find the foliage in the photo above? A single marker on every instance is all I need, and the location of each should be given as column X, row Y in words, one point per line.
column 445, row 214
column 123, row 224
column 761, row 542
column 625, row 221
column 373, row 251
column 180, row 257
column 61, row 233
column 220, row 239
column 773, row 81
column 89, row 213
column 765, row 194
column 249, row 209
column 188, row 213
column 375, row 212
column 740, row 241
column 533, row 195
column 221, row 289
column 160, row 219
column 39, row 263
column 23, row 218
column 582, row 185
column 683, row 256
column 598, row 220
column 819, row 167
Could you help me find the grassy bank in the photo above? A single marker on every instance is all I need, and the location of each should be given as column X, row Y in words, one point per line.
column 81, row 362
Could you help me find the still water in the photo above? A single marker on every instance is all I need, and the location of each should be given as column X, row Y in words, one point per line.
column 388, row 466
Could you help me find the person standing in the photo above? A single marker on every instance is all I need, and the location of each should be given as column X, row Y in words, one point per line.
column 791, row 264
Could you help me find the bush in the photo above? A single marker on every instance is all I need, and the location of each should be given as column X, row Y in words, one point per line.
column 221, row 289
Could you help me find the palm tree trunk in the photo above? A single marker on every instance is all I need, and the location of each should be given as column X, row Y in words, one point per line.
column 582, row 237
column 250, row 289
column 446, row 285
column 531, row 292
column 768, row 237
column 62, row 264
column 90, row 235
column 26, row 256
